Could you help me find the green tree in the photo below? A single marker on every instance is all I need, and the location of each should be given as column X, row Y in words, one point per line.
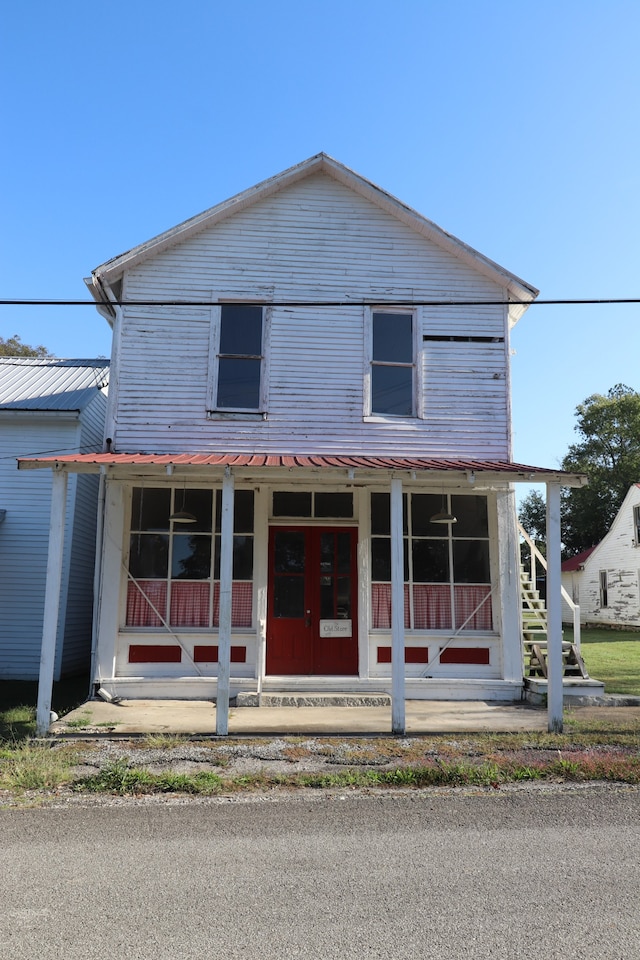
column 533, row 515
column 14, row 347
column 608, row 452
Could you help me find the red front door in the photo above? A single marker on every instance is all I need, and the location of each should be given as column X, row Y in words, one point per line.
column 312, row 610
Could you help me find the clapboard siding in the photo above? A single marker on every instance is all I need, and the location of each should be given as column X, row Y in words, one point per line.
column 24, row 540
column 24, row 537
column 619, row 555
column 79, row 607
column 314, row 241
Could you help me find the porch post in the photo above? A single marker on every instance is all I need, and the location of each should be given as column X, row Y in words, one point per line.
column 224, row 628
column 554, row 611
column 51, row 600
column 397, row 611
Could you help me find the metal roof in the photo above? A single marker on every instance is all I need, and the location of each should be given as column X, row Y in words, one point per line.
column 47, row 383
column 505, row 470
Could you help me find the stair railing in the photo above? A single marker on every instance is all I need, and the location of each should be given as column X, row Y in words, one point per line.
column 536, row 557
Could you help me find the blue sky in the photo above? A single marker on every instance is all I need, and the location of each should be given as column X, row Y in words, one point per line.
column 513, row 125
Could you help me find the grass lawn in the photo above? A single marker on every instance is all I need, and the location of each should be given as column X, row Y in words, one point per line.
column 612, row 656
column 18, row 701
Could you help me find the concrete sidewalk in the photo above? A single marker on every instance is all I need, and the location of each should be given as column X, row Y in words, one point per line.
column 198, row 717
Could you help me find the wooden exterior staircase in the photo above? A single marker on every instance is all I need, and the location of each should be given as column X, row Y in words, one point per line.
column 575, row 678
column 534, row 637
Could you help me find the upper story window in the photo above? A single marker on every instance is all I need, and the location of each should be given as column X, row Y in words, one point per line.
column 636, row 525
column 393, row 378
column 237, row 377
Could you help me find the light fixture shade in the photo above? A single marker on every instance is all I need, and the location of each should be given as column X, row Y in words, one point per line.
column 183, row 516
column 443, row 516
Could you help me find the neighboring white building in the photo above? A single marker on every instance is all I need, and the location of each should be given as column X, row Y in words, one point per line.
column 47, row 406
column 294, row 351
column 605, row 580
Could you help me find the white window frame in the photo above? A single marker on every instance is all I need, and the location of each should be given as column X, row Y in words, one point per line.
column 416, row 365
column 603, row 581
column 636, row 526
column 213, row 410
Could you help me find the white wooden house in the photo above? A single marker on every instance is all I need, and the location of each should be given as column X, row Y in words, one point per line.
column 337, row 366
column 47, row 407
column 605, row 580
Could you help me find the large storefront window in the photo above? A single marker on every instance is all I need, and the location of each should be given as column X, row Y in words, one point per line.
column 174, row 566
column 446, row 566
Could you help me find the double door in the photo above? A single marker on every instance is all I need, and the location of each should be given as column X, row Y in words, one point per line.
column 312, row 604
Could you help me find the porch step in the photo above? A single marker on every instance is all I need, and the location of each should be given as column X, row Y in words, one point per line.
column 314, row 700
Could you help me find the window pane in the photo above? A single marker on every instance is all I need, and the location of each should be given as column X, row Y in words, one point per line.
column 430, row 561
column 286, row 504
column 241, row 329
column 327, row 552
column 471, row 561
column 471, row 515
column 333, row 505
column 191, row 558
column 150, row 508
column 392, row 337
column 392, row 390
column 423, row 507
column 196, row 502
column 381, row 513
column 239, row 383
column 243, row 558
column 381, row 558
column 242, row 511
column 288, row 597
column 149, row 556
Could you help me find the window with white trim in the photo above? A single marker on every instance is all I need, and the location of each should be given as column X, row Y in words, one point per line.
column 174, row 567
column 447, row 573
column 237, row 373
column 636, row 526
column 393, row 368
column 604, row 589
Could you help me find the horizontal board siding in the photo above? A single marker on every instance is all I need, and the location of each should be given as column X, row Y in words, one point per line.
column 315, row 240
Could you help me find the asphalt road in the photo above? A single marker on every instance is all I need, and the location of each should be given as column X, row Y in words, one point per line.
column 538, row 874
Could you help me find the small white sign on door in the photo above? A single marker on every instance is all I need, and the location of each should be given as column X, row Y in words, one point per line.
column 335, row 628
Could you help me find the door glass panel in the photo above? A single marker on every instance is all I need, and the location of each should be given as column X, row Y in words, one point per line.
column 344, row 553
column 288, row 597
column 327, row 543
column 289, row 551
column 343, row 611
column 326, row 599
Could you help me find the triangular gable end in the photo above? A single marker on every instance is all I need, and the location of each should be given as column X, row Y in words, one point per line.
column 109, row 273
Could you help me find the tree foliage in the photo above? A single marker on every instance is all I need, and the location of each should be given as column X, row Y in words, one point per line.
column 14, row 347
column 608, row 452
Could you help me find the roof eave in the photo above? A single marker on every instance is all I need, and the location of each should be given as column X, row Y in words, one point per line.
column 517, row 289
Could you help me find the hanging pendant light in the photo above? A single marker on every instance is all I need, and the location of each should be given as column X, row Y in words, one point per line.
column 182, row 515
column 443, row 515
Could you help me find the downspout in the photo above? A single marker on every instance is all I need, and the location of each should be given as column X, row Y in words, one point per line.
column 97, row 578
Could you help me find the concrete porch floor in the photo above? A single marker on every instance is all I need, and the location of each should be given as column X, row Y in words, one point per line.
column 198, row 717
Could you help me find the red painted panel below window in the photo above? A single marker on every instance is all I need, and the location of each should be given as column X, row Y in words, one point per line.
column 411, row 655
column 465, row 655
column 154, row 653
column 209, row 654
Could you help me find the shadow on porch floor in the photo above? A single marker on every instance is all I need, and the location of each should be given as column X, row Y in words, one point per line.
column 198, row 717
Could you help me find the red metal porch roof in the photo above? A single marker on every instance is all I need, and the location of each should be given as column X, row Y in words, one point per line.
column 298, row 460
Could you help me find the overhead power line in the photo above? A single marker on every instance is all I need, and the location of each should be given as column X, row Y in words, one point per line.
column 578, row 301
